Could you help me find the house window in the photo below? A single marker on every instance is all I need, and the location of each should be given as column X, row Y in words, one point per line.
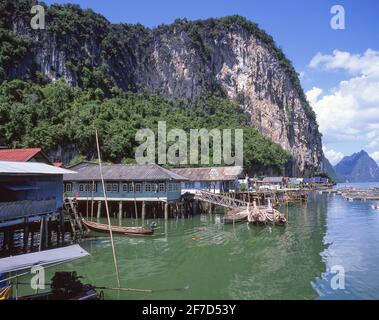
column 148, row 187
column 162, row 187
column 68, row 187
column 89, row 187
column 111, row 187
column 138, row 187
column 125, row 187
column 170, row 187
column 131, row 189
column 204, row 185
column 189, row 185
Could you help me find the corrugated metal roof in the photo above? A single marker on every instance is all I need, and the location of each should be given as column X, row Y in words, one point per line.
column 12, row 167
column 122, row 172
column 210, row 173
column 28, row 260
column 19, row 154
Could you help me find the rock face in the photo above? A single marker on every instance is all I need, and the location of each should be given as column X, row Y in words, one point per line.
column 183, row 61
column 359, row 167
column 327, row 167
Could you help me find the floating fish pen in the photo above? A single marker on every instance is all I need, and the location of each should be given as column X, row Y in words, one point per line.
column 361, row 194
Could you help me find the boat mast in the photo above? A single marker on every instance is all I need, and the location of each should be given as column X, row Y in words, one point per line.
column 107, row 210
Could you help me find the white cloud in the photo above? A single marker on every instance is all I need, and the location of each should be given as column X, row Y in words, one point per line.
column 313, row 94
column 333, row 156
column 349, row 112
column 364, row 64
column 375, row 156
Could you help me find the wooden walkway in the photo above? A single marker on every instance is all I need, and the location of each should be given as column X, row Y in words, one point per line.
column 221, row 200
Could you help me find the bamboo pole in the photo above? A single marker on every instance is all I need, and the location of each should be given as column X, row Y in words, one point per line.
column 107, row 210
column 92, row 189
column 135, row 201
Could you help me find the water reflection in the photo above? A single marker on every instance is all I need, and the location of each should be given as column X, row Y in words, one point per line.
column 217, row 261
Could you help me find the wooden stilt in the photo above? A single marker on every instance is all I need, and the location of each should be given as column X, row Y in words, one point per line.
column 143, row 212
column 120, row 213
column 32, row 241
column 62, row 227
column 26, row 234
column 46, row 232
column 166, row 211
column 98, row 209
column 41, row 234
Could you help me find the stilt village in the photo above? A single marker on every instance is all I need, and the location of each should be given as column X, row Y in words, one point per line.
column 45, row 207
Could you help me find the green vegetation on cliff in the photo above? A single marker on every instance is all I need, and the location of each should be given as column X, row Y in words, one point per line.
column 58, row 115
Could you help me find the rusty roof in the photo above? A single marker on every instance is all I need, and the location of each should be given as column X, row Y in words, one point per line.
column 211, row 173
column 122, row 172
column 21, row 155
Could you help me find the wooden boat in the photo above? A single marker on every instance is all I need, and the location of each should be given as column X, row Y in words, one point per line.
column 274, row 216
column 67, row 286
column 235, row 216
column 256, row 215
column 104, row 228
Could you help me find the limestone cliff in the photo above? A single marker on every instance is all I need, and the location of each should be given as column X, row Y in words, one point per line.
column 183, row 61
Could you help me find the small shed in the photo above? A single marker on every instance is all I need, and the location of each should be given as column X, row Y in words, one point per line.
column 215, row 179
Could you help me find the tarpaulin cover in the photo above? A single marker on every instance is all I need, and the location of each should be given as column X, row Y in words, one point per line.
column 28, row 260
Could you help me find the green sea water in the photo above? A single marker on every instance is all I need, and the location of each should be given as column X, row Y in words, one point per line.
column 204, row 259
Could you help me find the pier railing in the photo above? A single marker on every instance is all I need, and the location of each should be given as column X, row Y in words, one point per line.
column 220, row 200
column 25, row 208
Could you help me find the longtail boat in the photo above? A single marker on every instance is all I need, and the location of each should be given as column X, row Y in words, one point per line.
column 104, row 228
column 256, row 216
column 274, row 216
column 235, row 215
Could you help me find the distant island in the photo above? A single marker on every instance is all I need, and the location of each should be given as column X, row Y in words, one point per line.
column 359, row 167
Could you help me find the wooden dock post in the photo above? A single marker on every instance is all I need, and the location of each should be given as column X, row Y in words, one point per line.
column 98, row 209
column 62, row 226
column 41, row 234
column 26, row 233
column 46, row 233
column 166, row 211
column 143, row 212
column 120, row 212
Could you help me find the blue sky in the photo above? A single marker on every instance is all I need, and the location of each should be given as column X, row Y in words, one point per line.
column 334, row 80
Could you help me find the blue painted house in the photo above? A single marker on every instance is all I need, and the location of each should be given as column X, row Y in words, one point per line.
column 29, row 189
column 123, row 182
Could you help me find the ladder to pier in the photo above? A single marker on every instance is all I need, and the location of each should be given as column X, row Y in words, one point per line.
column 71, row 208
column 221, row 200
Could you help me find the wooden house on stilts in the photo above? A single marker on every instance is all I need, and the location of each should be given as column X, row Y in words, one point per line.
column 133, row 190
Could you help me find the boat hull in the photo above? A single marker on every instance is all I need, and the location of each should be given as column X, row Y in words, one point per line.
column 104, row 228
